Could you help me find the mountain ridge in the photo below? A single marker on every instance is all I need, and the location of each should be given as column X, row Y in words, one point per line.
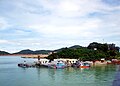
column 29, row 51
column 92, row 45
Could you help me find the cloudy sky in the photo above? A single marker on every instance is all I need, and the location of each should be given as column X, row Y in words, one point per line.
column 52, row 24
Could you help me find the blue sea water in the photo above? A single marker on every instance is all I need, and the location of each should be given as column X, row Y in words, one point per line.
column 12, row 75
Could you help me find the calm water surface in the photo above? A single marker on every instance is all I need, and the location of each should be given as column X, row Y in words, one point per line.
column 12, row 75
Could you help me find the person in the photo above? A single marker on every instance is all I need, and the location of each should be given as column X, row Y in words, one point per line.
column 24, row 62
column 38, row 58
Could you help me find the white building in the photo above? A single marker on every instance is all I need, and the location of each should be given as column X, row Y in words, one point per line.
column 67, row 60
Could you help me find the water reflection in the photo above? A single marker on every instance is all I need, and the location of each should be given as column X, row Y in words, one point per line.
column 105, row 74
column 51, row 73
column 94, row 76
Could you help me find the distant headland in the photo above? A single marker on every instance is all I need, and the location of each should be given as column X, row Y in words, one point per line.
column 94, row 50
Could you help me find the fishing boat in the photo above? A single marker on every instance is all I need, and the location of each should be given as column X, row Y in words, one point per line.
column 26, row 65
column 23, row 65
column 84, row 65
column 79, row 64
column 55, row 65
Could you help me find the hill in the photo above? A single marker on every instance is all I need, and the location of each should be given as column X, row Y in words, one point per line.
column 75, row 47
column 4, row 53
column 28, row 51
column 99, row 46
column 72, row 47
column 42, row 51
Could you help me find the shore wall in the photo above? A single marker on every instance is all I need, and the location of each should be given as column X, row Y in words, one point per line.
column 35, row 56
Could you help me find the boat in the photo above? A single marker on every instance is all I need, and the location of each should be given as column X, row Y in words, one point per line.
column 79, row 64
column 55, row 65
column 23, row 65
column 58, row 66
column 26, row 65
column 84, row 65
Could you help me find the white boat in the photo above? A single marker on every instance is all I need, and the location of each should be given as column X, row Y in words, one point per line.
column 55, row 64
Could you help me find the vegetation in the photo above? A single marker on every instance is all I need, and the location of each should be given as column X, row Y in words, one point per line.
column 27, row 51
column 4, row 53
column 95, row 51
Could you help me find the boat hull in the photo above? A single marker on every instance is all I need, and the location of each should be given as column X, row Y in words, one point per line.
column 84, row 66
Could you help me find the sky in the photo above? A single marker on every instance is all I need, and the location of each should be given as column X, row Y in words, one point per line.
column 53, row 24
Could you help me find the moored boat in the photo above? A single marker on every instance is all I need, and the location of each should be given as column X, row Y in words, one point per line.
column 23, row 65
column 55, row 65
column 84, row 65
column 79, row 64
column 26, row 65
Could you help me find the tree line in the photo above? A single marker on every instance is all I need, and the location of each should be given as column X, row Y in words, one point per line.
column 94, row 51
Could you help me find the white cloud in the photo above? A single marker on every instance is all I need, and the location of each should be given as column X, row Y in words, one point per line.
column 3, row 24
column 68, row 6
column 3, row 41
column 65, row 30
column 59, row 22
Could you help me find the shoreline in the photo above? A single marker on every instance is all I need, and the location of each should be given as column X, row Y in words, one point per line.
column 29, row 55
